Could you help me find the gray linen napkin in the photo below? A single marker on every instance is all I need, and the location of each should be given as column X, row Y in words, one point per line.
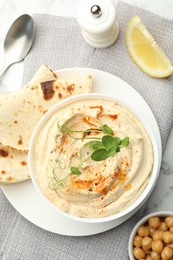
column 59, row 43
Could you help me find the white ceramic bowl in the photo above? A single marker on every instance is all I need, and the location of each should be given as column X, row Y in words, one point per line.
column 118, row 218
column 141, row 222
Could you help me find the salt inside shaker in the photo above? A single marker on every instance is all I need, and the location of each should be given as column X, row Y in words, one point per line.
column 98, row 23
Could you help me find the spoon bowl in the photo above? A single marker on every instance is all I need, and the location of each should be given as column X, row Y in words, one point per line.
column 18, row 40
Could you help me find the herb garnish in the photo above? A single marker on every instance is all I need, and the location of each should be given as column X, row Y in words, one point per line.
column 75, row 170
column 55, row 183
column 106, row 147
column 104, row 128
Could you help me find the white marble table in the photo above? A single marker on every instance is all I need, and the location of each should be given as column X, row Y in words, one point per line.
column 162, row 196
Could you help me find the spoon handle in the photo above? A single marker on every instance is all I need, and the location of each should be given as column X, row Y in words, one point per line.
column 6, row 65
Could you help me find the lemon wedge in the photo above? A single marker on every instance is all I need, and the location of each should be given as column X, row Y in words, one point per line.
column 144, row 50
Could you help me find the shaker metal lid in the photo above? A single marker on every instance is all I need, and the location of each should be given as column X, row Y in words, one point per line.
column 96, row 16
column 96, row 10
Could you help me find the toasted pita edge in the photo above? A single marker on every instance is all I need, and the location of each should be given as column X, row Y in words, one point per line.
column 43, row 74
column 10, row 178
column 3, row 183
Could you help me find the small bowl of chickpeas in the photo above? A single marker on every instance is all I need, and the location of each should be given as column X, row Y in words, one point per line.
column 152, row 237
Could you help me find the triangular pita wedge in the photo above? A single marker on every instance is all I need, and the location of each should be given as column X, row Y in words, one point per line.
column 21, row 110
column 44, row 73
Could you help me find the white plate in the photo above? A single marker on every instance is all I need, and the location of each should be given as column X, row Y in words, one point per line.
column 26, row 200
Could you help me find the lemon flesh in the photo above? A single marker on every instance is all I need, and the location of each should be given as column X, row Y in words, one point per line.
column 145, row 52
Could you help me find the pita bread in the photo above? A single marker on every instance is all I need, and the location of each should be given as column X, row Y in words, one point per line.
column 20, row 112
column 43, row 74
column 13, row 166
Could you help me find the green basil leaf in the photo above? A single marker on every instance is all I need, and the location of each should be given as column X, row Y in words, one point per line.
column 75, row 170
column 99, row 155
column 97, row 145
column 109, row 142
column 106, row 129
column 111, row 152
column 124, row 142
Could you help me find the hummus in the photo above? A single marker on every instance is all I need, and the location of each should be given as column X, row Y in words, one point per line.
column 100, row 188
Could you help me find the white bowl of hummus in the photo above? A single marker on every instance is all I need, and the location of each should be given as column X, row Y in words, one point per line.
column 93, row 159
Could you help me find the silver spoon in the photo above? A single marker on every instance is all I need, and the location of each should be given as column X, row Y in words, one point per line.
column 18, row 40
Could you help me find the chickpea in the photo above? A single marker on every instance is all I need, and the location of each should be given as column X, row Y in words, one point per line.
column 170, row 245
column 157, row 246
column 169, row 221
column 148, row 257
column 139, row 253
column 154, row 222
column 143, row 231
column 138, row 241
column 163, row 226
column 157, row 235
column 147, row 251
column 171, row 229
column 167, row 237
column 155, row 256
column 151, row 231
column 147, row 242
column 166, row 253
